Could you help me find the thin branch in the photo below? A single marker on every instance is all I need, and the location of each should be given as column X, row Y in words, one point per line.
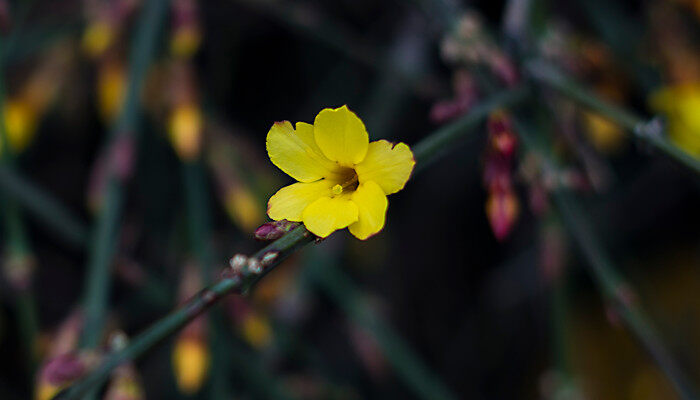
column 612, row 285
column 107, row 224
column 645, row 130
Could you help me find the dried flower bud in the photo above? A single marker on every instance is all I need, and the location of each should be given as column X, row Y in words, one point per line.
column 59, row 372
column 273, row 230
column 501, row 135
column 502, row 210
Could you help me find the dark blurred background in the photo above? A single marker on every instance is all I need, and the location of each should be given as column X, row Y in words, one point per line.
column 480, row 315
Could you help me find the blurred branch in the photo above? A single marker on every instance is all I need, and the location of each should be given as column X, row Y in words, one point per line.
column 410, row 369
column 106, row 226
column 43, row 206
column 18, row 258
column 647, row 131
column 430, row 148
column 612, row 285
column 310, row 22
column 324, row 29
column 251, row 269
column 200, row 241
column 238, row 282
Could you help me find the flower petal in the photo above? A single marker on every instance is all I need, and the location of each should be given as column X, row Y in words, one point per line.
column 386, row 164
column 293, row 154
column 371, row 204
column 341, row 135
column 326, row 215
column 290, row 201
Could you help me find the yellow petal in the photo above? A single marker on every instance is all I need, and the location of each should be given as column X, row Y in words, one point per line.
column 293, row 155
column 290, row 201
column 387, row 165
column 371, row 204
column 341, row 135
column 326, row 215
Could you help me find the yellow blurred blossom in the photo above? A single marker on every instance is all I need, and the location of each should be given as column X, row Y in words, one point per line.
column 97, row 38
column 191, row 363
column 343, row 178
column 20, row 124
column 605, row 135
column 256, row 329
column 125, row 385
column 185, row 130
column 244, row 208
column 185, row 41
column 681, row 106
column 111, row 88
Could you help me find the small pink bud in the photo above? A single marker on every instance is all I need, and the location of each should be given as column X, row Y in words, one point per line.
column 274, row 229
column 64, row 368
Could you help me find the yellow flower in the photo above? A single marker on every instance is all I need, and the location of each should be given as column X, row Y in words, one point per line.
column 343, row 179
column 20, row 124
column 681, row 105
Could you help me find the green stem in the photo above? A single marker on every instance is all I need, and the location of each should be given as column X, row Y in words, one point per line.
column 644, row 130
column 198, row 217
column 283, row 247
column 107, row 224
column 199, row 231
column 609, row 280
column 425, row 152
column 615, row 289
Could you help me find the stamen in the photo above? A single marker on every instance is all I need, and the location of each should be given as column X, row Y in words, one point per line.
column 337, row 189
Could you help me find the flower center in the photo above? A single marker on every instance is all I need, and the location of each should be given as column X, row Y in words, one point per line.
column 349, row 180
